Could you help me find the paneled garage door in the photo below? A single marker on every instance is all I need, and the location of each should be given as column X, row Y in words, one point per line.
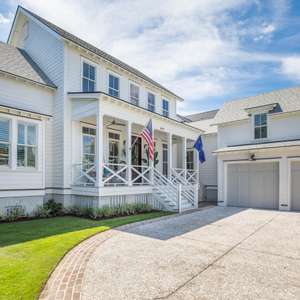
column 253, row 185
column 295, row 178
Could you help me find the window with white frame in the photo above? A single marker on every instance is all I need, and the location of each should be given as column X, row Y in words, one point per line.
column 4, row 142
column 165, row 107
column 165, row 159
column 88, row 147
column 151, row 102
column 114, row 141
column 27, row 145
column 190, row 159
column 260, row 126
column 114, row 86
column 134, row 94
column 88, row 77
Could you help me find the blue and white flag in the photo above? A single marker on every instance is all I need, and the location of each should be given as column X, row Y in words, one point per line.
column 199, row 147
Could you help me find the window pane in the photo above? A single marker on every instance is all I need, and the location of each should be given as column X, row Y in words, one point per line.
column 257, row 133
column 113, row 93
column 263, row 120
column 4, row 131
column 31, row 135
column 85, row 85
column 257, row 120
column 88, row 144
column 4, row 154
column 264, row 132
column 21, row 134
column 91, row 86
column 85, row 70
column 21, row 156
column 31, row 156
column 92, row 73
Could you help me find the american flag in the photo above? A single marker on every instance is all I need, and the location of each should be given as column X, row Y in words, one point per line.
column 148, row 136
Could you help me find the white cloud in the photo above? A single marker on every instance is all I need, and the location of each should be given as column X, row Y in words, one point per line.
column 4, row 20
column 193, row 47
column 291, row 67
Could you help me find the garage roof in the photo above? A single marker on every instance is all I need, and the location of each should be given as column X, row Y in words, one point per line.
column 288, row 100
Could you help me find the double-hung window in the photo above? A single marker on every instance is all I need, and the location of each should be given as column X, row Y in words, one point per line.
column 114, row 86
column 27, row 145
column 88, row 147
column 88, row 77
column 260, row 126
column 4, row 142
column 114, row 140
column 165, row 108
column 151, row 102
column 134, row 94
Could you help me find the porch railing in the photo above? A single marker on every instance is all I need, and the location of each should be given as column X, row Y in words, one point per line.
column 84, row 174
column 184, row 176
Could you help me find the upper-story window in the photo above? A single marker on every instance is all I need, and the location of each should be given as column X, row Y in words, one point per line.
column 151, row 102
column 88, row 77
column 260, row 126
column 134, row 94
column 27, row 144
column 114, row 85
column 165, row 107
column 4, row 142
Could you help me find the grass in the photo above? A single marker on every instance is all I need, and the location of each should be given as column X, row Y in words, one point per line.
column 30, row 250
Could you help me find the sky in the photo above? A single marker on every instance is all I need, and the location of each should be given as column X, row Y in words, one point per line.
column 206, row 51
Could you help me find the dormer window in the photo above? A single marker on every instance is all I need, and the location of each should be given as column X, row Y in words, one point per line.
column 260, row 126
column 88, row 78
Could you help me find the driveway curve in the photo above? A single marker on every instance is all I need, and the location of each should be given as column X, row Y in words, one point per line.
column 214, row 253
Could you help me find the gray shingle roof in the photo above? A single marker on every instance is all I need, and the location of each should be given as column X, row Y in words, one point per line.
column 17, row 62
column 288, row 100
column 202, row 116
column 82, row 43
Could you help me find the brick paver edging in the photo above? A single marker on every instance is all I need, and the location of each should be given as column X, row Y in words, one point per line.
column 65, row 281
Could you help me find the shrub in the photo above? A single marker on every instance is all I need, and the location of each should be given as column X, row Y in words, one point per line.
column 14, row 213
column 54, row 208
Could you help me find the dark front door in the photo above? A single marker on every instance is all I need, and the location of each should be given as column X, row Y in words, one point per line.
column 136, row 156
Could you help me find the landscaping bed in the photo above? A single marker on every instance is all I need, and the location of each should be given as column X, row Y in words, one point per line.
column 30, row 250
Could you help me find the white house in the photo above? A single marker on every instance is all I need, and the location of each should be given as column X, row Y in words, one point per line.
column 70, row 121
column 259, row 151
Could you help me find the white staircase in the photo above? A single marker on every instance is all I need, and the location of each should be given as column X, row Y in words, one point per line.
column 174, row 196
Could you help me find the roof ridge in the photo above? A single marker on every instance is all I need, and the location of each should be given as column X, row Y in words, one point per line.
column 73, row 38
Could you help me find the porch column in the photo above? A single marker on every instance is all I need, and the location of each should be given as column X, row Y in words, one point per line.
column 170, row 152
column 128, row 152
column 99, row 147
column 184, row 154
column 284, row 183
column 151, row 162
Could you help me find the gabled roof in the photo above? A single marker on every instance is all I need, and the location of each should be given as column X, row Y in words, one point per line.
column 76, row 40
column 286, row 100
column 17, row 62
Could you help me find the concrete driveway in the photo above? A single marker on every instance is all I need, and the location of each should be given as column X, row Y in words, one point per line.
column 216, row 253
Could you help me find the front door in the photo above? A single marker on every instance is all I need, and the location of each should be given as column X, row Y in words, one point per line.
column 136, row 156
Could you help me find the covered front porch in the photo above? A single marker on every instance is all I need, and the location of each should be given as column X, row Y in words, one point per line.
column 109, row 152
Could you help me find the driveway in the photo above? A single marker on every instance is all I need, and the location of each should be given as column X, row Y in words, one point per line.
column 215, row 253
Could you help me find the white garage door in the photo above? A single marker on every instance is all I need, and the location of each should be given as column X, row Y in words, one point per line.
column 295, row 177
column 253, row 185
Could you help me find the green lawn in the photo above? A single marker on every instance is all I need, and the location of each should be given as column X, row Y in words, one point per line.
column 30, row 250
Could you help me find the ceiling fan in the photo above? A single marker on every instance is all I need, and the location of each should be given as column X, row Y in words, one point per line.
column 114, row 123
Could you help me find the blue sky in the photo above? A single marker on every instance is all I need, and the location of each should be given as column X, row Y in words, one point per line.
column 207, row 51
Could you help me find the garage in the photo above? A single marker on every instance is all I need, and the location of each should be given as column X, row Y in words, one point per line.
column 295, row 186
column 254, row 185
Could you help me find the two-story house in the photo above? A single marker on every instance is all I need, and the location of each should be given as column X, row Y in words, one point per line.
column 259, row 151
column 90, row 109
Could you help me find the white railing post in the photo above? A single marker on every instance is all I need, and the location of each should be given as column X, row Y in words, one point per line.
column 179, row 198
column 99, row 147
column 128, row 153
column 196, row 195
column 170, row 152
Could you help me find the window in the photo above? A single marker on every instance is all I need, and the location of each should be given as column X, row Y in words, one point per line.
column 151, row 102
column 4, row 142
column 260, row 126
column 88, row 78
column 165, row 108
column 165, row 159
column 114, row 83
column 190, row 159
column 134, row 94
column 114, row 139
column 27, row 145
column 88, row 147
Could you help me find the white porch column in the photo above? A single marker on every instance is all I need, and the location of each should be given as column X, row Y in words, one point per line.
column 128, row 152
column 284, row 183
column 151, row 162
column 14, row 141
column 221, row 180
column 170, row 154
column 99, row 147
column 184, row 154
